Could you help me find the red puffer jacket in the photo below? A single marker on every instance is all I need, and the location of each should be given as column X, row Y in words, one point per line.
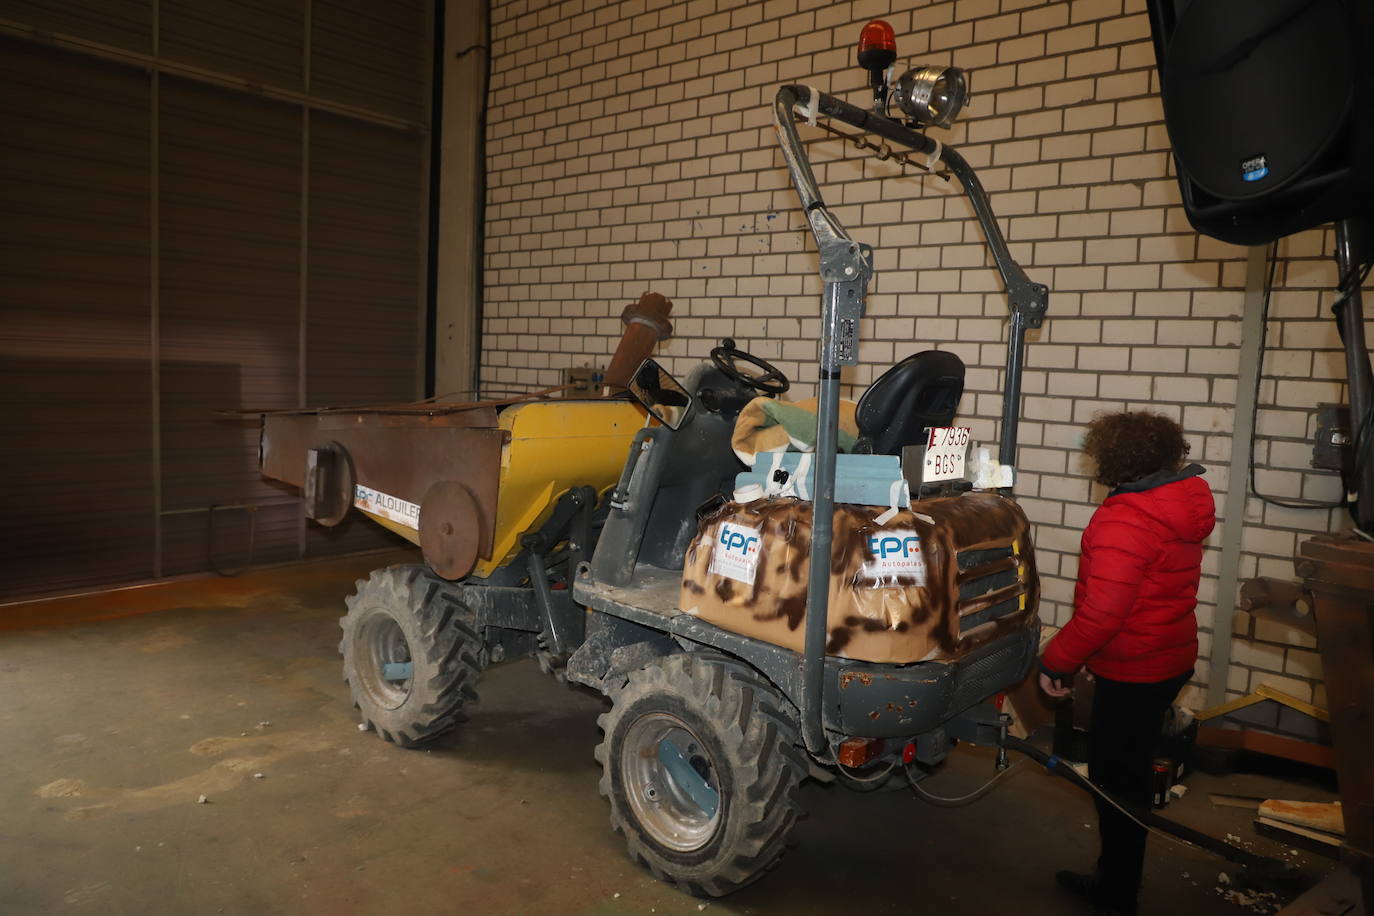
column 1137, row 587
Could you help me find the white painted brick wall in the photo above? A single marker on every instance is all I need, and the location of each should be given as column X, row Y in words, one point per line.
column 630, row 148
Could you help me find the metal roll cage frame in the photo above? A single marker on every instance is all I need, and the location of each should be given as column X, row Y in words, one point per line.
column 846, row 268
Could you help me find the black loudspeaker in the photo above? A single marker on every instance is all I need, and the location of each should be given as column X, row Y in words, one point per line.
column 1268, row 104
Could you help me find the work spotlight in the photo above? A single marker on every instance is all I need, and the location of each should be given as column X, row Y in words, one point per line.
column 933, row 96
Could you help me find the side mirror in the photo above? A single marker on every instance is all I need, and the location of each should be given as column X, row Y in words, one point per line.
column 660, row 393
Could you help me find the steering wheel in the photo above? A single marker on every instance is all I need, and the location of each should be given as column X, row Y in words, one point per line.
column 770, row 379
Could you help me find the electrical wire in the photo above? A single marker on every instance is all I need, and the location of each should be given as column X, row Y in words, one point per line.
column 1346, row 290
column 848, row 773
column 959, row 801
column 1061, row 768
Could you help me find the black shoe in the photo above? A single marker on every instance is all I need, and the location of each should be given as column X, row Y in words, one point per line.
column 1077, row 884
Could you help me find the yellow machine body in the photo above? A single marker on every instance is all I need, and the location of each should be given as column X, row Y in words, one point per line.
column 551, row 447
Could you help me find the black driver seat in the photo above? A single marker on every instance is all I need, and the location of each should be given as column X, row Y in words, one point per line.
column 920, row 391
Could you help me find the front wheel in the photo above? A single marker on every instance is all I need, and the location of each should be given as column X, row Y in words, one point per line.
column 411, row 656
column 701, row 770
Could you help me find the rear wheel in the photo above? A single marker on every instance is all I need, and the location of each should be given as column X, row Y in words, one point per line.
column 411, row 656
column 700, row 767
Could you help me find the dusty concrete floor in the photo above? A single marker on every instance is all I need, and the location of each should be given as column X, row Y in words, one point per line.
column 113, row 729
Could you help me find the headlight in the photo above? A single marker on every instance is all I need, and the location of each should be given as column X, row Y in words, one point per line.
column 932, row 95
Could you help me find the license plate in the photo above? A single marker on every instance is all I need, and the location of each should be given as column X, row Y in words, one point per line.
column 946, row 452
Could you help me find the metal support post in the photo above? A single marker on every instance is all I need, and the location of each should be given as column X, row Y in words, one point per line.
column 1011, row 392
column 1351, row 250
column 842, row 308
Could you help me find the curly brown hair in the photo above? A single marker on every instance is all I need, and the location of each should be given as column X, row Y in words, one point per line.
column 1133, row 444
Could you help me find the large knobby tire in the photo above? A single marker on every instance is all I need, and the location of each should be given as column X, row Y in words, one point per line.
column 398, row 615
column 730, row 727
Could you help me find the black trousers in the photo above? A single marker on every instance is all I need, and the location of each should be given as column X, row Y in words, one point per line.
column 1127, row 720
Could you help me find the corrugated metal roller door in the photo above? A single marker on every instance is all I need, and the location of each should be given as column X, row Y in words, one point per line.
column 175, row 243
column 361, row 282
column 229, row 303
column 75, row 378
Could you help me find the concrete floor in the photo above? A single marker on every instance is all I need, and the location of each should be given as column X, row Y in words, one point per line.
column 113, row 728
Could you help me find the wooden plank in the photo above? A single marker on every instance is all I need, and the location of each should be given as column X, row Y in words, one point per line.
column 1266, row 743
column 1327, row 817
column 1236, row 801
column 1230, row 706
column 1312, row 840
column 1278, row 696
column 1262, row 693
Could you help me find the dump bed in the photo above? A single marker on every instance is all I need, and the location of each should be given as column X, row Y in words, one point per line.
column 463, row 481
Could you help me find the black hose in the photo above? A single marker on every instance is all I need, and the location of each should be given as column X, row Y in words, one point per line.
column 1259, row 868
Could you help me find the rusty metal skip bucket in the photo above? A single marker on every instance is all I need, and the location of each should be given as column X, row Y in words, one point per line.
column 462, row 480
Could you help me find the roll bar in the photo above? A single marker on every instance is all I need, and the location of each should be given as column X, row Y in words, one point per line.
column 846, row 267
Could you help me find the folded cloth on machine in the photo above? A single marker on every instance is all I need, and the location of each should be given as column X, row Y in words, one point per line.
column 863, row 480
column 768, row 425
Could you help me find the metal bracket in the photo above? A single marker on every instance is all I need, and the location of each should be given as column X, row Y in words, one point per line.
column 564, row 622
column 612, row 648
column 686, row 776
column 1028, row 300
column 845, row 261
column 846, row 268
column 983, row 725
column 398, row 671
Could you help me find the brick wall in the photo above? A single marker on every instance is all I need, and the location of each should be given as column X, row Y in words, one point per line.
column 1303, row 366
column 630, row 148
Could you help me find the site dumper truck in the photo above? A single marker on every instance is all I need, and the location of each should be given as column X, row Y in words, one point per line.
column 846, row 617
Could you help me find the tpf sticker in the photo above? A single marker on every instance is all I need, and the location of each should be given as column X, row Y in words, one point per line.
column 736, row 554
column 895, row 555
column 387, row 506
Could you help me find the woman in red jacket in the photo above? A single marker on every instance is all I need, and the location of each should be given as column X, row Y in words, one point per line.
column 1133, row 626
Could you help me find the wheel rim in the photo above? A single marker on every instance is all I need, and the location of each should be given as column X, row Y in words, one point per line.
column 671, row 782
column 381, row 643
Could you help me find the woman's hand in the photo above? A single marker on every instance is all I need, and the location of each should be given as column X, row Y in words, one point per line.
column 1053, row 687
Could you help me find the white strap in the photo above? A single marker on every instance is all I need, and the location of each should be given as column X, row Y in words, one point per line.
column 812, row 103
column 933, row 157
column 1006, row 476
column 894, row 499
column 799, row 479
